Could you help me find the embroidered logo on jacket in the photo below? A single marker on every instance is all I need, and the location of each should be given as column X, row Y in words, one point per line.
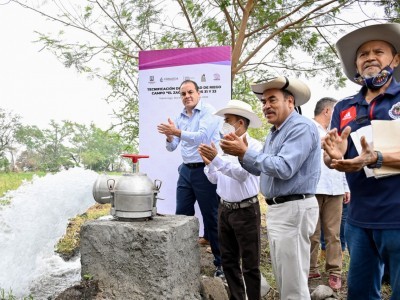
column 394, row 112
column 347, row 116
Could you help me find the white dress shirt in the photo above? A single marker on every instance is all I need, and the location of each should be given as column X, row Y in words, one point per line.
column 234, row 183
column 331, row 182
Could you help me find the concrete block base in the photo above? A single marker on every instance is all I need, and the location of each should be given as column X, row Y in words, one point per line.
column 154, row 259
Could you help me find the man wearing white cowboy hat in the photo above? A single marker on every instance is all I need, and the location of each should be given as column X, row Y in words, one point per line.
column 289, row 165
column 369, row 57
column 239, row 209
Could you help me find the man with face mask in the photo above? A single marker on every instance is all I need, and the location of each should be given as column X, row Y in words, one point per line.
column 239, row 210
column 369, row 57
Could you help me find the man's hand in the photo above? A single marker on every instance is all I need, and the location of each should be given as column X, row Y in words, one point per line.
column 346, row 198
column 355, row 164
column 335, row 145
column 208, row 153
column 234, row 145
column 169, row 129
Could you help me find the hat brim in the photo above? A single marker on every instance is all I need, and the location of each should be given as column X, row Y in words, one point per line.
column 348, row 45
column 255, row 121
column 299, row 89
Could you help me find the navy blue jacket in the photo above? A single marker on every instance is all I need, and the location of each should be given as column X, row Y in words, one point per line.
column 375, row 203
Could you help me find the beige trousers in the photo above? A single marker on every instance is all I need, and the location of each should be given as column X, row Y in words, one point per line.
column 289, row 227
column 330, row 216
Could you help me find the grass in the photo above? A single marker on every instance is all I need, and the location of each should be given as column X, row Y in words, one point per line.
column 9, row 296
column 12, row 180
column 69, row 244
column 265, row 266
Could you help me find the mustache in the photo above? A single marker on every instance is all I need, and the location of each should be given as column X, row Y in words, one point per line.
column 268, row 111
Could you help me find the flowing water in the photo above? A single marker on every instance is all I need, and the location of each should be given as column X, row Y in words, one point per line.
column 31, row 226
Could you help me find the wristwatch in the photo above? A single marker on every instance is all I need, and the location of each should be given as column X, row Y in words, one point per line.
column 378, row 162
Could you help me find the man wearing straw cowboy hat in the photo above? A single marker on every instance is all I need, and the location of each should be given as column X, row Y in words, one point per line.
column 239, row 210
column 369, row 57
column 289, row 165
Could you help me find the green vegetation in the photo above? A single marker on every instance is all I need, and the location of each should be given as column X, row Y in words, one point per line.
column 68, row 245
column 9, row 295
column 12, row 180
column 267, row 38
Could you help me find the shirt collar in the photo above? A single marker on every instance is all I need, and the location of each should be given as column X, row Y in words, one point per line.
column 198, row 107
column 292, row 114
column 319, row 125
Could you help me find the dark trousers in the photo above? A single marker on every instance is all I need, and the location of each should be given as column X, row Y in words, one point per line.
column 194, row 185
column 239, row 239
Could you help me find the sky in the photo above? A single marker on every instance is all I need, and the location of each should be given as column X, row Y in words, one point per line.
column 36, row 86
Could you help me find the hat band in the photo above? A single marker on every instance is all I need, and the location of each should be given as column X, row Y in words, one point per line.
column 282, row 88
column 286, row 84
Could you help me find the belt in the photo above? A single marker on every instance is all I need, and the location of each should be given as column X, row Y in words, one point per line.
column 242, row 204
column 283, row 199
column 195, row 165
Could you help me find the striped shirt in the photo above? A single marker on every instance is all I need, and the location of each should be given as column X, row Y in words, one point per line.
column 290, row 162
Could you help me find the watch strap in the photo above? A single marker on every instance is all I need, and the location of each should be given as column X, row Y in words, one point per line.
column 379, row 161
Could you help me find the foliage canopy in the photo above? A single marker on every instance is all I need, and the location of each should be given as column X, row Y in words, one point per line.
column 290, row 37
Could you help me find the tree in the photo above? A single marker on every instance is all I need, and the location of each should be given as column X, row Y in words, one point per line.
column 46, row 149
column 96, row 149
column 9, row 124
column 69, row 144
column 293, row 37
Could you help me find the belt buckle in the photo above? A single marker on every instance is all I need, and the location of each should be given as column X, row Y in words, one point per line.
column 231, row 205
column 227, row 204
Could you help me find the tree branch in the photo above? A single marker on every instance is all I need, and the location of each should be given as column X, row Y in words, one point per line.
column 182, row 5
column 241, row 36
column 280, row 30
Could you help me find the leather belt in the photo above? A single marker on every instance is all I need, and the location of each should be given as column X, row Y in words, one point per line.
column 242, row 204
column 283, row 199
column 195, row 165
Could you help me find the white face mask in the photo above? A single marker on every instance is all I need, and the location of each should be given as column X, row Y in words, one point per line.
column 227, row 129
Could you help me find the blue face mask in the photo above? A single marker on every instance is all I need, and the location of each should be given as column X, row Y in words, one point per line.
column 376, row 82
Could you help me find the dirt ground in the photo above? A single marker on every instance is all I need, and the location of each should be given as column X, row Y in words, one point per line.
column 207, row 268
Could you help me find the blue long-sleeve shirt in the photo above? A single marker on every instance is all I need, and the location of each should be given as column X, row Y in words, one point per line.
column 201, row 127
column 290, row 161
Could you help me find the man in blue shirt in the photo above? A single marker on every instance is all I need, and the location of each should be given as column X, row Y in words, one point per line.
column 369, row 57
column 289, row 168
column 195, row 125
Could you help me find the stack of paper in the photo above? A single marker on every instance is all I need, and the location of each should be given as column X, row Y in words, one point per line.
column 381, row 135
column 386, row 138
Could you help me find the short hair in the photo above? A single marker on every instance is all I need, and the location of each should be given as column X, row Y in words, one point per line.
column 324, row 103
column 245, row 120
column 190, row 81
column 287, row 93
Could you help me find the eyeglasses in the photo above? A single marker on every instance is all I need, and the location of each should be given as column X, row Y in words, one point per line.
column 190, row 93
